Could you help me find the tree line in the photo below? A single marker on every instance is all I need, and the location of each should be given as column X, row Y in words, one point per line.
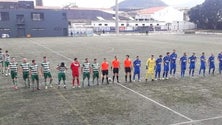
column 207, row 15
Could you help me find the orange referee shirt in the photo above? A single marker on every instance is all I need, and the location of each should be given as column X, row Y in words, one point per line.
column 105, row 66
column 115, row 63
column 127, row 63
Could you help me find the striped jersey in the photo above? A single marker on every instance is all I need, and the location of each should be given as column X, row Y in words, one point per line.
column 95, row 67
column 62, row 69
column 46, row 67
column 34, row 69
column 86, row 67
column 13, row 66
column 25, row 67
column 1, row 56
column 7, row 58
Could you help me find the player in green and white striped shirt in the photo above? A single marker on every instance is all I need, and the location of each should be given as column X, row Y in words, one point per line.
column 6, row 62
column 25, row 71
column 1, row 61
column 61, row 75
column 34, row 71
column 13, row 66
column 95, row 68
column 46, row 72
column 86, row 69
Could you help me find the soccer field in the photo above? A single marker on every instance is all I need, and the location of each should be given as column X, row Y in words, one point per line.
column 187, row 101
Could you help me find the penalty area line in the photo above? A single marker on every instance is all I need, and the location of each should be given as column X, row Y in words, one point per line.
column 155, row 102
column 198, row 121
column 53, row 51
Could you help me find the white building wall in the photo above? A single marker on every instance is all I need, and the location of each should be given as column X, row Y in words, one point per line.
column 168, row 14
column 182, row 25
column 125, row 23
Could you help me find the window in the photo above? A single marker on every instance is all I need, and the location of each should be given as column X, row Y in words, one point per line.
column 64, row 16
column 38, row 29
column 5, row 29
column 106, row 24
column 37, row 16
column 20, row 19
column 4, row 16
column 12, row 7
column 122, row 24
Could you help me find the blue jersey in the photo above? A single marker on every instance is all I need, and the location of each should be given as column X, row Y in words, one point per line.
column 166, row 62
column 158, row 64
column 192, row 60
column 211, row 62
column 183, row 62
column 202, row 62
column 173, row 58
column 137, row 65
column 220, row 57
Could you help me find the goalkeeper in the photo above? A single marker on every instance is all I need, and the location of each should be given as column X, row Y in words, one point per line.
column 150, row 66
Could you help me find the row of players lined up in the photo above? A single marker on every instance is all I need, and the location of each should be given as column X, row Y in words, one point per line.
column 153, row 67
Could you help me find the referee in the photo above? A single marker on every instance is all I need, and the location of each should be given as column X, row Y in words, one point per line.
column 115, row 67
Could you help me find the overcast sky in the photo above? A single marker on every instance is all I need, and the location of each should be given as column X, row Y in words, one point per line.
column 109, row 3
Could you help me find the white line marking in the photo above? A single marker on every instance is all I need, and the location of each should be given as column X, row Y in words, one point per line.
column 161, row 105
column 52, row 51
column 198, row 121
column 61, row 95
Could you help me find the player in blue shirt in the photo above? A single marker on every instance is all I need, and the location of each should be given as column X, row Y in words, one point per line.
column 173, row 58
column 166, row 65
column 211, row 62
column 136, row 65
column 220, row 62
column 158, row 67
column 202, row 64
column 183, row 63
column 192, row 61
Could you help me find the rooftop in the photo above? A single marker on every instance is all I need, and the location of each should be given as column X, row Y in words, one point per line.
column 150, row 10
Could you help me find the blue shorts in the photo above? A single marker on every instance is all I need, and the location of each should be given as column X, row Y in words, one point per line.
column 158, row 69
column 192, row 66
column 220, row 65
column 203, row 67
column 173, row 66
column 137, row 72
column 212, row 66
column 183, row 68
column 166, row 68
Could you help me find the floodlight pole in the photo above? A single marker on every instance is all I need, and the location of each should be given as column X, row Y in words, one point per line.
column 117, row 17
